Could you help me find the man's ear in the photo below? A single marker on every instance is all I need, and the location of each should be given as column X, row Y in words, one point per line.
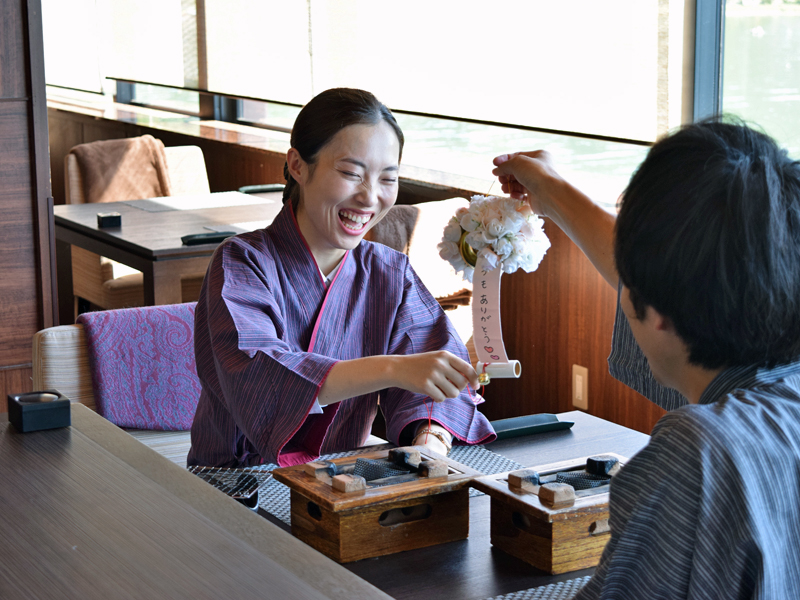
column 659, row 321
column 298, row 168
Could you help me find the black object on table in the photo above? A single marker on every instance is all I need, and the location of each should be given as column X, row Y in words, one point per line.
column 36, row 411
column 529, row 425
column 211, row 237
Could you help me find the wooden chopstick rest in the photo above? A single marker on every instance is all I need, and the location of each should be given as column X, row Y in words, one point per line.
column 603, row 464
column 349, row 483
column 552, row 494
column 318, row 470
column 525, row 479
column 405, row 456
column 433, row 468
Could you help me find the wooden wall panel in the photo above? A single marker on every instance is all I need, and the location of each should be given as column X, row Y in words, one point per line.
column 18, row 284
column 12, row 50
column 95, row 130
column 560, row 315
column 64, row 134
column 26, row 290
column 14, row 380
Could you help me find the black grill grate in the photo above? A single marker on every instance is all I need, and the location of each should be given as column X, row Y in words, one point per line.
column 581, row 480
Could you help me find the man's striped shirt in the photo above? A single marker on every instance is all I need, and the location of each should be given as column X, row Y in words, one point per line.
column 710, row 509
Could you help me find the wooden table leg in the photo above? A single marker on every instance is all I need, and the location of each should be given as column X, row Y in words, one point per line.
column 162, row 282
column 66, row 299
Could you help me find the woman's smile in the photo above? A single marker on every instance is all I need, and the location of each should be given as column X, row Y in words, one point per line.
column 355, row 222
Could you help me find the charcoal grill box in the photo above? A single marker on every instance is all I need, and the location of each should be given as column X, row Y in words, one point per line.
column 414, row 512
column 556, row 539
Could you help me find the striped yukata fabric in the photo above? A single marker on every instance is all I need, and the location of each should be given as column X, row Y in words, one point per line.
column 710, row 508
column 628, row 364
column 255, row 320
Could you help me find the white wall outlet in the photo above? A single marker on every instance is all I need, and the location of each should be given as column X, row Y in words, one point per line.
column 580, row 387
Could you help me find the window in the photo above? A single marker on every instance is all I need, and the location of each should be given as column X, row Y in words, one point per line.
column 761, row 80
column 592, row 82
column 72, row 47
column 176, row 99
column 610, row 69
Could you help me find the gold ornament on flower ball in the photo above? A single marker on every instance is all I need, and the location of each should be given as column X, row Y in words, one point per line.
column 467, row 253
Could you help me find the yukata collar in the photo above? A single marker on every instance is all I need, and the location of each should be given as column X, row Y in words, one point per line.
column 286, row 232
column 743, row 377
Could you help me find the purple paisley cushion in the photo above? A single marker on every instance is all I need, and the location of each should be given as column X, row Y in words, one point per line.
column 143, row 367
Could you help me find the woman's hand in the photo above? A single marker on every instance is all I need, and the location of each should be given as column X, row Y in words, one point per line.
column 439, row 374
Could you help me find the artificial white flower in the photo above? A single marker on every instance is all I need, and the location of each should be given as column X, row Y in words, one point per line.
column 452, row 232
column 503, row 248
column 476, row 239
column 449, row 250
column 495, row 228
column 490, row 257
column 468, row 222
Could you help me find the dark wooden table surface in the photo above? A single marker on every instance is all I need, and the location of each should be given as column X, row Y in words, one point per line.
column 150, row 241
column 89, row 512
column 471, row 569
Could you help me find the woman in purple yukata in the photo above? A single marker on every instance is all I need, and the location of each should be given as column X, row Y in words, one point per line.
column 301, row 327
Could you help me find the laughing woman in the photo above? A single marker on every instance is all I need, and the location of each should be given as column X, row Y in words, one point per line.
column 302, row 326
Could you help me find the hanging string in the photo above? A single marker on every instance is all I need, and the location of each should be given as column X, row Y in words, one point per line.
column 430, row 407
column 430, row 415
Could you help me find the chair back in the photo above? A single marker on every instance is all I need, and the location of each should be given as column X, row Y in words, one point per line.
column 142, row 366
column 61, row 362
column 186, row 166
column 416, row 230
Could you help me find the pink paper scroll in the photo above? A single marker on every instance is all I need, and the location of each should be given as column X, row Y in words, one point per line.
column 487, row 333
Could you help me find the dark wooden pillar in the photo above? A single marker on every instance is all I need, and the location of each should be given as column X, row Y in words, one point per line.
column 27, row 272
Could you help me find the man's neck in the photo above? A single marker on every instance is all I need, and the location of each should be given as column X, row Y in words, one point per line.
column 694, row 380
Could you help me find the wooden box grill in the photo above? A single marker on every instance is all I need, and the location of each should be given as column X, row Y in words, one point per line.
column 556, row 539
column 393, row 517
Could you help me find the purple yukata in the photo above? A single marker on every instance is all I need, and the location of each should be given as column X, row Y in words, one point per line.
column 268, row 331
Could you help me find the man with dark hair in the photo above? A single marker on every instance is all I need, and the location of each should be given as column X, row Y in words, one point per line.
column 706, row 255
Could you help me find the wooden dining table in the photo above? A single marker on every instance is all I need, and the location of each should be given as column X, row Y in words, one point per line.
column 90, row 512
column 149, row 238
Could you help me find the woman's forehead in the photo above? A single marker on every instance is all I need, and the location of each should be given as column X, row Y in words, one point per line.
column 364, row 145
